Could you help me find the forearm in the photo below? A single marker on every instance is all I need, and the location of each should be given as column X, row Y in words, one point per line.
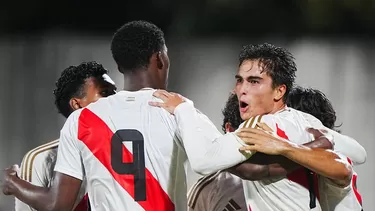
column 321, row 161
column 37, row 197
column 281, row 166
column 207, row 149
column 262, row 166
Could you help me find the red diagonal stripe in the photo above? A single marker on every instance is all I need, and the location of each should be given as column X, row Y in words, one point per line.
column 83, row 204
column 96, row 135
column 299, row 175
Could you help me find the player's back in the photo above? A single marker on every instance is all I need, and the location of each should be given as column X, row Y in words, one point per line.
column 289, row 193
column 217, row 192
column 132, row 156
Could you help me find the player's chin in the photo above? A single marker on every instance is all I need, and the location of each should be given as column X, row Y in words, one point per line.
column 244, row 116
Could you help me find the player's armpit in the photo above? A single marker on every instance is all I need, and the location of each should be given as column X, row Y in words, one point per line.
column 59, row 197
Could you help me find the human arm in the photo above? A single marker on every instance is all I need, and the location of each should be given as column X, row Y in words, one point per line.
column 60, row 196
column 207, row 149
column 332, row 167
column 261, row 166
column 66, row 182
column 33, row 170
column 343, row 144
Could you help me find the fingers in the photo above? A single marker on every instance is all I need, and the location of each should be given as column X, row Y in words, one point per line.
column 162, row 94
column 316, row 133
column 156, row 104
column 264, row 126
column 249, row 148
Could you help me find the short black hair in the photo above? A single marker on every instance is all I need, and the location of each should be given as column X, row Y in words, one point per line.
column 314, row 102
column 71, row 84
column 278, row 63
column 134, row 43
column 231, row 112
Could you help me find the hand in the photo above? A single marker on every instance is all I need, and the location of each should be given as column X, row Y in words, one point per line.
column 262, row 141
column 170, row 100
column 319, row 134
column 8, row 183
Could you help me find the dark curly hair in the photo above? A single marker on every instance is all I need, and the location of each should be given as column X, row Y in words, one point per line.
column 134, row 43
column 314, row 102
column 278, row 63
column 71, row 84
column 231, row 112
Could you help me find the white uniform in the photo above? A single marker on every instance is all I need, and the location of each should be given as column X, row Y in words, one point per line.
column 129, row 151
column 220, row 191
column 334, row 198
column 208, row 152
column 37, row 168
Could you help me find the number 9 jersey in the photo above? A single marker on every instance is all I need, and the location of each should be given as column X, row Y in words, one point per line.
column 129, row 152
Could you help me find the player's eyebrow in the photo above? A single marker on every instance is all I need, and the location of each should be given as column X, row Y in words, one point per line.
column 237, row 77
column 254, row 78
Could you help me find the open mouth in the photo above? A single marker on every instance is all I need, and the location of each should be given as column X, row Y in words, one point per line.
column 243, row 106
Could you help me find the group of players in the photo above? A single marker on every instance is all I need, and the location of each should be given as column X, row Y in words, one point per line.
column 127, row 150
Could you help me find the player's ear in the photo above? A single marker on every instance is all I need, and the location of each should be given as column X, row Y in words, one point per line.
column 229, row 128
column 159, row 60
column 279, row 92
column 74, row 103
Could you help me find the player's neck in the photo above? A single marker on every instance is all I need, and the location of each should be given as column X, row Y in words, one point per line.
column 278, row 107
column 139, row 80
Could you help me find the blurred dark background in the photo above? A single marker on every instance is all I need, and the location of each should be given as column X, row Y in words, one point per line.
column 333, row 42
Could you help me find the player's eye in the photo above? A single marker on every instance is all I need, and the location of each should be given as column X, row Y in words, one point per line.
column 254, row 81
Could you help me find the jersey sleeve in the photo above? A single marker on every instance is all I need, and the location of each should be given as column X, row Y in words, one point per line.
column 69, row 160
column 344, row 145
column 207, row 149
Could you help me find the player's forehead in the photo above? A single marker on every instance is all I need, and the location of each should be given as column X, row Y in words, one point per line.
column 252, row 68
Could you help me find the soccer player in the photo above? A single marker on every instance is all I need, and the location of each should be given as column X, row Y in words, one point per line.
column 265, row 77
column 77, row 87
column 128, row 151
column 224, row 191
column 221, row 190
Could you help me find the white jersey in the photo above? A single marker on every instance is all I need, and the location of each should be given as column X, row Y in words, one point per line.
column 335, row 198
column 221, row 191
column 129, row 151
column 37, row 168
column 289, row 193
column 212, row 192
column 209, row 151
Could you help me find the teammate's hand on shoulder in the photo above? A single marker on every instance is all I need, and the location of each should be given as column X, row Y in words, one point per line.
column 170, row 100
column 10, row 174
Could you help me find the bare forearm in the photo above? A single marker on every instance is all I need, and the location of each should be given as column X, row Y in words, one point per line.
column 281, row 166
column 321, row 161
column 262, row 166
column 37, row 197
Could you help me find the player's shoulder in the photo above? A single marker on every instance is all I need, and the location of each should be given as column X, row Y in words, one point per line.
column 35, row 159
column 269, row 119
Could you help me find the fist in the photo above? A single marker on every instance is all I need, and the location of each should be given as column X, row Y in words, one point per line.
column 9, row 175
